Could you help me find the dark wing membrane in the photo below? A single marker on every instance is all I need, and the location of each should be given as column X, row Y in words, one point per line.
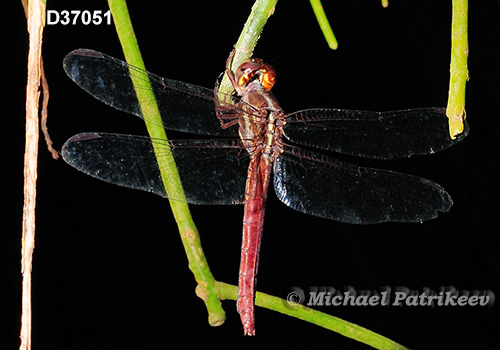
column 381, row 135
column 333, row 189
column 183, row 107
column 211, row 171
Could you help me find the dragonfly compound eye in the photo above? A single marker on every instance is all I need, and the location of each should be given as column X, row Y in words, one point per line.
column 247, row 71
column 267, row 77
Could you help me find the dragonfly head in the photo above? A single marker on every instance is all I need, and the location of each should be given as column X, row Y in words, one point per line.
column 254, row 69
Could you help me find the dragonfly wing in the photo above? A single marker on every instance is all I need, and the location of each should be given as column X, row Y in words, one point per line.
column 183, row 107
column 322, row 186
column 382, row 135
column 211, row 171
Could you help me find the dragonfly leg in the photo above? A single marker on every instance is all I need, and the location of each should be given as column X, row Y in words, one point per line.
column 229, row 73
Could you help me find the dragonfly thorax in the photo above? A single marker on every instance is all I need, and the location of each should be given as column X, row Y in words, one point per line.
column 261, row 124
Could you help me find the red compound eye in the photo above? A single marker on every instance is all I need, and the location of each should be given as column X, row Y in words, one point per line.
column 268, row 77
column 254, row 68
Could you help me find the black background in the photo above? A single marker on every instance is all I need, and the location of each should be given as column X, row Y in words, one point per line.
column 109, row 268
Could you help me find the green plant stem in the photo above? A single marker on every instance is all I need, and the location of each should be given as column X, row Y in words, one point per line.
column 187, row 229
column 324, row 24
column 347, row 329
column 458, row 68
column 261, row 11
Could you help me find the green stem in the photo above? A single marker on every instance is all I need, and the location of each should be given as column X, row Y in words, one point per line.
column 324, row 24
column 458, row 68
column 347, row 329
column 261, row 11
column 187, row 229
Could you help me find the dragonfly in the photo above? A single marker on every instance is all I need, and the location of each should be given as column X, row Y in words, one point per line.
column 251, row 142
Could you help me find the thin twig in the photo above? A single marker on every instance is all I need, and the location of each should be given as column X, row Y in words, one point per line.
column 45, row 101
column 459, row 73
column 187, row 229
column 44, row 113
column 36, row 22
column 324, row 24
